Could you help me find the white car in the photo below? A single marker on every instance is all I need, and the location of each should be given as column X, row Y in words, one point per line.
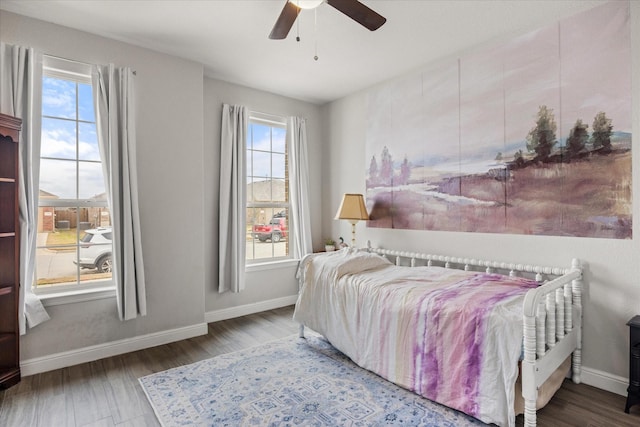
column 96, row 249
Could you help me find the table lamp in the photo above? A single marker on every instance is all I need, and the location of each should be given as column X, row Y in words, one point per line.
column 353, row 209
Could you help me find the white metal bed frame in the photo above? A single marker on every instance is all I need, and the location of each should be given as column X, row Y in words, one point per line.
column 552, row 316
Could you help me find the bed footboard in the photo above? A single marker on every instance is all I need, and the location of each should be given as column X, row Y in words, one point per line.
column 552, row 331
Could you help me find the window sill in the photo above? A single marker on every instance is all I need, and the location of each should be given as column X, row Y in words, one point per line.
column 272, row 265
column 76, row 296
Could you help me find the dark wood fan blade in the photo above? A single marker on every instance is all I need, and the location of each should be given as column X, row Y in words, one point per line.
column 359, row 13
column 285, row 21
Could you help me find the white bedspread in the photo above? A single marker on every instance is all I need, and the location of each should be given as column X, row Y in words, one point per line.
column 449, row 335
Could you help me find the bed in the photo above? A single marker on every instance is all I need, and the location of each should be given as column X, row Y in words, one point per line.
column 465, row 333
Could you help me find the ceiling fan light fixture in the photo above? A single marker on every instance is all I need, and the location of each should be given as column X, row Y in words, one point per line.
column 354, row 9
column 307, row 4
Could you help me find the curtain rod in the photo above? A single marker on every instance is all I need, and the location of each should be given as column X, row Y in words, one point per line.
column 135, row 73
column 275, row 116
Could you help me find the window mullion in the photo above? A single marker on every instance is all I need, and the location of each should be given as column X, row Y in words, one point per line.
column 77, row 247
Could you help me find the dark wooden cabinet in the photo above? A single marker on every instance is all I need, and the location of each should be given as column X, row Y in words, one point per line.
column 9, row 252
column 633, row 396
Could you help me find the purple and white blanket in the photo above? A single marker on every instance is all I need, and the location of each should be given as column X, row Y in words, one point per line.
column 451, row 336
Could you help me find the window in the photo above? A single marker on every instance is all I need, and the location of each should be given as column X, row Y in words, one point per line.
column 267, row 190
column 74, row 222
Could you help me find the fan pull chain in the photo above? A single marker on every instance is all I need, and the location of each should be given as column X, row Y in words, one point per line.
column 315, row 29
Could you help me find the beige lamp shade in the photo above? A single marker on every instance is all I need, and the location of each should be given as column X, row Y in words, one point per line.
column 352, row 208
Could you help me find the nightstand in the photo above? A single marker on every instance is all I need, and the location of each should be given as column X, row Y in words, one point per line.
column 633, row 392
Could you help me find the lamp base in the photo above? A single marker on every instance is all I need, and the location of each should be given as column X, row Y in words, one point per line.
column 353, row 233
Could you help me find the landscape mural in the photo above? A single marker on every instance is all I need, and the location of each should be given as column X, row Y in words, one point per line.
column 529, row 136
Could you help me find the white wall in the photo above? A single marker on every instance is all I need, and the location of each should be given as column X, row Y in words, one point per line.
column 178, row 164
column 170, row 168
column 275, row 284
column 612, row 267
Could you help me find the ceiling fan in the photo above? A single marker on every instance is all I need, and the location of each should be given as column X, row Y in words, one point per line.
column 352, row 8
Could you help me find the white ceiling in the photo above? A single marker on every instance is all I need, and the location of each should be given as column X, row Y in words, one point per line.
column 230, row 38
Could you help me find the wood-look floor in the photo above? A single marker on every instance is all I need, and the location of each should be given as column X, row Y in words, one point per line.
column 107, row 393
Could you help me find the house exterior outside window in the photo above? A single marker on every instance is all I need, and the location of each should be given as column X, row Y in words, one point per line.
column 74, row 222
column 268, row 231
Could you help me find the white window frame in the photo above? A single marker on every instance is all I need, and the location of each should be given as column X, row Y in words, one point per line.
column 79, row 291
column 270, row 262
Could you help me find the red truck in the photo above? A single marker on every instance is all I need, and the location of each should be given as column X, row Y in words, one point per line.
column 275, row 231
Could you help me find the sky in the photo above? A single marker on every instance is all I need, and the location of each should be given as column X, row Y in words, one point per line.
column 268, row 145
column 484, row 102
column 62, row 142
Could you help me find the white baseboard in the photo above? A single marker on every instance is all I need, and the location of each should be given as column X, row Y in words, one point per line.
column 593, row 377
column 50, row 362
column 605, row 381
column 113, row 348
column 244, row 310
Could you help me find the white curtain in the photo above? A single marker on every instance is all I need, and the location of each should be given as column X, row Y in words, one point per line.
column 299, row 186
column 232, row 234
column 113, row 90
column 20, row 96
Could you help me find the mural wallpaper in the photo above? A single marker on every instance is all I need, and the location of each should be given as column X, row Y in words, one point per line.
column 532, row 136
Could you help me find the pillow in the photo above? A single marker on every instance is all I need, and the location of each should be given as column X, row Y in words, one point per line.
column 354, row 261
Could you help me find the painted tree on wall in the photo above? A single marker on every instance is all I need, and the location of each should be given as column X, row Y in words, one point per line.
column 602, row 130
column 577, row 140
column 386, row 167
column 405, row 172
column 542, row 138
column 373, row 172
column 386, row 176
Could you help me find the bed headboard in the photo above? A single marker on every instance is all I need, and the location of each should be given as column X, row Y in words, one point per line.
column 539, row 273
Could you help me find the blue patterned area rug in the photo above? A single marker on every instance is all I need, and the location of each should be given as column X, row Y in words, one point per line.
column 289, row 382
